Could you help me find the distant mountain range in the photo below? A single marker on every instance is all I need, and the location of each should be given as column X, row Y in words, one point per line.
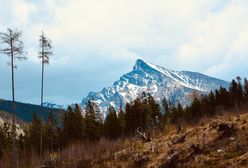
column 175, row 86
column 25, row 111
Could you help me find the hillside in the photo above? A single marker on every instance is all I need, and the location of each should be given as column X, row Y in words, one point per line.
column 176, row 86
column 25, row 111
column 216, row 143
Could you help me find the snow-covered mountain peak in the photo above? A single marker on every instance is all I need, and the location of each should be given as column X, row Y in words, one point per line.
column 148, row 67
column 156, row 80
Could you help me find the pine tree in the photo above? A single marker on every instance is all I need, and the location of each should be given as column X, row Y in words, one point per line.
column 122, row 122
column 234, row 93
column 224, row 97
column 73, row 124
column 165, row 106
column 240, row 91
column 128, row 119
column 112, row 127
column 246, row 90
column 173, row 114
column 195, row 110
column 155, row 112
column 33, row 133
column 92, row 126
column 180, row 113
column 50, row 133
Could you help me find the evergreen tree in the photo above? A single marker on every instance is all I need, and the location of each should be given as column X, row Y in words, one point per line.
column 173, row 114
column 92, row 126
column 73, row 124
column 50, row 133
column 112, row 127
column 129, row 120
column 195, row 110
column 155, row 112
column 33, row 133
column 235, row 93
column 224, row 97
column 135, row 116
column 122, row 122
column 165, row 106
column 246, row 90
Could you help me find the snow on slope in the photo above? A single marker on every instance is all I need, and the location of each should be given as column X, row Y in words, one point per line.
column 156, row 80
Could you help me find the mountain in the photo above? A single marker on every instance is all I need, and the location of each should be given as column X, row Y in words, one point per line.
column 25, row 111
column 53, row 105
column 176, row 86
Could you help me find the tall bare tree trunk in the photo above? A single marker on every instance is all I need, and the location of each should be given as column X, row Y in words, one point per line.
column 14, row 48
column 41, row 101
column 13, row 108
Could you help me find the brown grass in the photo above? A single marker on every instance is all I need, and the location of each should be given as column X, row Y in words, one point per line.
column 76, row 155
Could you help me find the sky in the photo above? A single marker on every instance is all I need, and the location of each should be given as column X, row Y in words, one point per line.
column 97, row 41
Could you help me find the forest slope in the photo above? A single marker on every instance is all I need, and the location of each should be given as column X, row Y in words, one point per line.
column 215, row 143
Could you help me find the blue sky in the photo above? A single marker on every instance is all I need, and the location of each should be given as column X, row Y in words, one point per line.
column 97, row 41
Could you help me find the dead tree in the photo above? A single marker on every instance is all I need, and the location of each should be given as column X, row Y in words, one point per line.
column 44, row 55
column 14, row 50
column 143, row 135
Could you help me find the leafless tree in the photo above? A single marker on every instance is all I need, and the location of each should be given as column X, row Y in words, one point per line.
column 14, row 49
column 44, row 55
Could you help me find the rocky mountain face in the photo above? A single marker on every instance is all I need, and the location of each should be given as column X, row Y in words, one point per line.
column 175, row 86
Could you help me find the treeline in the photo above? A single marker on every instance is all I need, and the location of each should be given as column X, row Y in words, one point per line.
column 216, row 102
column 89, row 125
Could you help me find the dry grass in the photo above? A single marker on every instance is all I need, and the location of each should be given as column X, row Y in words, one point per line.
column 75, row 155
column 203, row 147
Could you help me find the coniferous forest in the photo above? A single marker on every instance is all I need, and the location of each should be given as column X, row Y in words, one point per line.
column 91, row 127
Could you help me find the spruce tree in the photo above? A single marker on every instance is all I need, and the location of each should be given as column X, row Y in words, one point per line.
column 234, row 93
column 122, row 122
column 33, row 133
column 92, row 126
column 73, row 124
column 112, row 127
column 50, row 133
column 165, row 106
column 246, row 90
column 155, row 112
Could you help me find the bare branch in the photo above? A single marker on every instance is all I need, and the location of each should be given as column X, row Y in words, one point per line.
column 14, row 45
column 46, row 46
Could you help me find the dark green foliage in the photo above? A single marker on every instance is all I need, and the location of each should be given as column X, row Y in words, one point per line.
column 50, row 133
column 73, row 124
column 92, row 122
column 32, row 134
column 112, row 127
column 154, row 111
column 236, row 92
column 121, row 119
column 165, row 106
column 246, row 90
